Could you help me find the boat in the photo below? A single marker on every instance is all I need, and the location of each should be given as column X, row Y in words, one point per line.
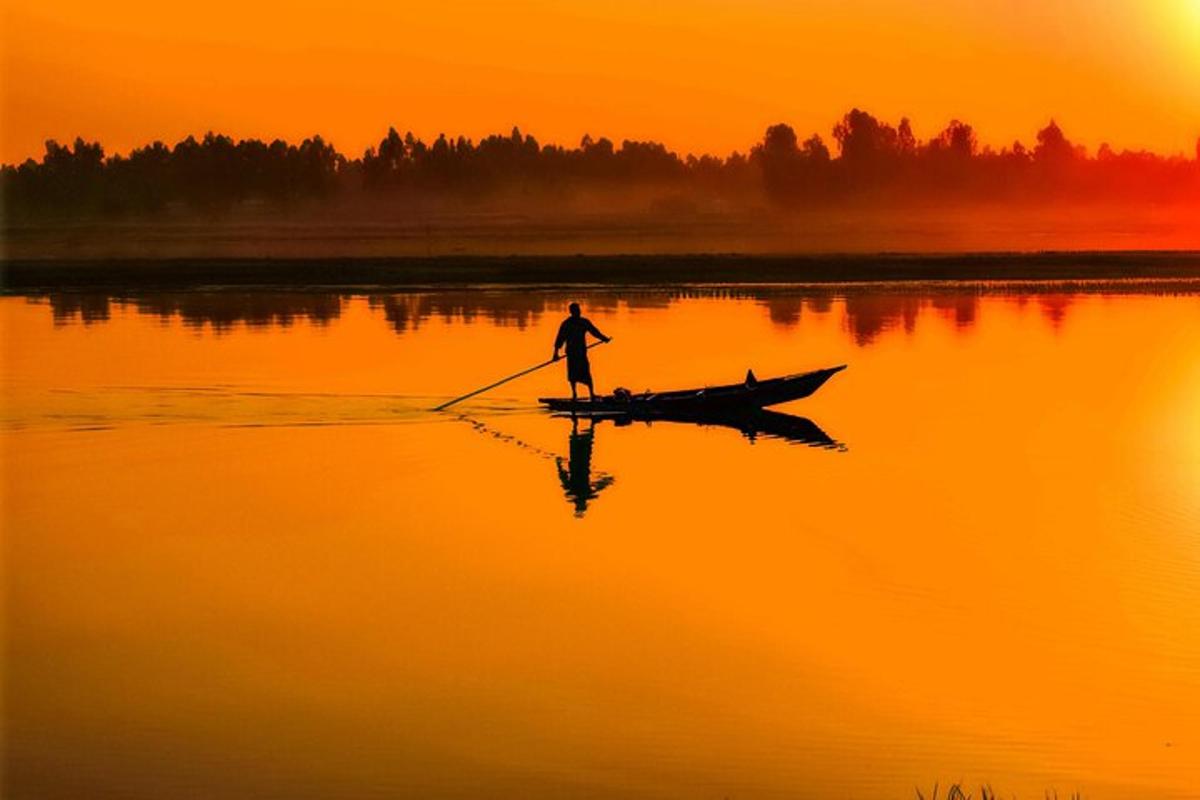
column 731, row 398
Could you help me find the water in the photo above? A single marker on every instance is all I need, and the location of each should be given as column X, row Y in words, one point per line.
column 243, row 560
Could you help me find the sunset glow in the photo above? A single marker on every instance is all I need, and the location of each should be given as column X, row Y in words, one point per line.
column 706, row 77
column 620, row 400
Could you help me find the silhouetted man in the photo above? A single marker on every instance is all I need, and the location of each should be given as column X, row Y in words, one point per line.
column 573, row 333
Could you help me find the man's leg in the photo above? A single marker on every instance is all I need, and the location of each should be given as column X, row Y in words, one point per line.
column 591, row 394
column 574, row 395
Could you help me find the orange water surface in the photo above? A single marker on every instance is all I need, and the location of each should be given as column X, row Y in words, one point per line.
column 242, row 559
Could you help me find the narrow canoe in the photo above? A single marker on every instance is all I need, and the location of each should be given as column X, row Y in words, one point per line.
column 732, row 397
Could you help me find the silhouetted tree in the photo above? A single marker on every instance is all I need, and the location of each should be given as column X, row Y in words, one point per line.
column 957, row 140
column 876, row 163
column 1053, row 146
column 792, row 173
column 779, row 159
column 906, row 142
column 865, row 140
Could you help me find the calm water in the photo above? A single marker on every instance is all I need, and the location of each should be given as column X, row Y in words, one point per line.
column 241, row 559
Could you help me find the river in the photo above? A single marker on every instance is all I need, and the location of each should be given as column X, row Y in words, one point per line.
column 243, row 559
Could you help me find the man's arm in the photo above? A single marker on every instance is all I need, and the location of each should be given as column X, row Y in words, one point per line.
column 560, row 339
column 594, row 331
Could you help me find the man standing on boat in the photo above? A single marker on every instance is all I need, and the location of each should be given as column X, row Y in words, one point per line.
column 573, row 334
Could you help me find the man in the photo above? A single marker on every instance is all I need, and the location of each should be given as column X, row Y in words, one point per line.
column 573, row 333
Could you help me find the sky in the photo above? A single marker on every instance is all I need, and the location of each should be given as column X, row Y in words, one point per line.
column 706, row 76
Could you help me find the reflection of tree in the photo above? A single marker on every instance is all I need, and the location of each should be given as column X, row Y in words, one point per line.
column 868, row 315
column 402, row 311
column 819, row 304
column 576, row 476
column 405, row 311
column 1054, row 308
column 518, row 309
column 785, row 311
column 961, row 308
column 85, row 307
column 409, row 311
column 221, row 310
column 639, row 301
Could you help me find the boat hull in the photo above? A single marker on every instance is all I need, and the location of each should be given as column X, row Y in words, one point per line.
column 710, row 400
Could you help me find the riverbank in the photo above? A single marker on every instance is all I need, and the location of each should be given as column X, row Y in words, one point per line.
column 25, row 275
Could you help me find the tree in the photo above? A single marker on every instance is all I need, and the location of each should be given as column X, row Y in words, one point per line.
column 905, row 140
column 779, row 159
column 957, row 140
column 1053, row 146
column 814, row 150
column 864, row 139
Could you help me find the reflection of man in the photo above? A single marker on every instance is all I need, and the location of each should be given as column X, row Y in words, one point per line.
column 576, row 478
column 573, row 333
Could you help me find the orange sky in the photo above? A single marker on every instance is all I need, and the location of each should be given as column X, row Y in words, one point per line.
column 702, row 76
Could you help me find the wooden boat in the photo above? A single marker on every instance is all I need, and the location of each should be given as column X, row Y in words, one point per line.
column 710, row 400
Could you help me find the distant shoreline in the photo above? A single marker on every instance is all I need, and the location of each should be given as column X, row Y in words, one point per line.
column 19, row 276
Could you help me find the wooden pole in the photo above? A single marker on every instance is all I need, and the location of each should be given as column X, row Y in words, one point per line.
column 514, row 376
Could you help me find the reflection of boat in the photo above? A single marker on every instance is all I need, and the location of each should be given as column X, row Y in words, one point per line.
column 751, row 423
column 735, row 397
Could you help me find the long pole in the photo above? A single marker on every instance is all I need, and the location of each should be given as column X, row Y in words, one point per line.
column 514, row 376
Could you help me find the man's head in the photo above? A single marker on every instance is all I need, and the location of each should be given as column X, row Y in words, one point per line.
column 574, row 309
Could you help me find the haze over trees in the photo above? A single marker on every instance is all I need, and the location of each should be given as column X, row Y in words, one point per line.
column 865, row 162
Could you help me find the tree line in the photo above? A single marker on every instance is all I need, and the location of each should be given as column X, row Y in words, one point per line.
column 867, row 160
